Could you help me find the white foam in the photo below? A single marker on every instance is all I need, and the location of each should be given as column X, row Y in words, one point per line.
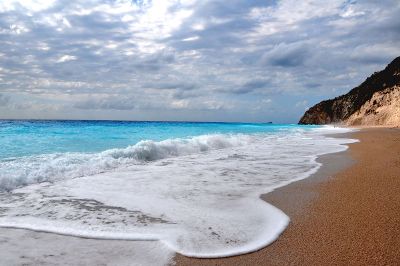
column 200, row 202
column 53, row 167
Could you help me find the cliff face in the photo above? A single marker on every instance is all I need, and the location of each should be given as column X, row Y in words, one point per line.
column 382, row 109
column 353, row 106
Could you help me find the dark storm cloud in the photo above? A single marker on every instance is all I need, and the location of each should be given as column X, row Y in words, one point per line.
column 195, row 55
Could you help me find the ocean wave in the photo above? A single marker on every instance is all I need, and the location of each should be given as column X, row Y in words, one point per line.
column 18, row 172
column 193, row 204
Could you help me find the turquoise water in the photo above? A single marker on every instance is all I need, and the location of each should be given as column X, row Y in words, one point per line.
column 24, row 138
column 184, row 184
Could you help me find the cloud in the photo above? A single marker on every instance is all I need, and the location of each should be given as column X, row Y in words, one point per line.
column 302, row 104
column 66, row 58
column 287, row 55
column 248, row 87
column 110, row 103
column 189, row 58
column 374, row 54
column 4, row 100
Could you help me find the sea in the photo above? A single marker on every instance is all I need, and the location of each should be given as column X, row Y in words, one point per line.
column 187, row 187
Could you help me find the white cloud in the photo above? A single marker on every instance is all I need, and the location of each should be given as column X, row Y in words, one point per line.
column 266, row 101
column 189, row 39
column 180, row 104
column 30, row 5
column 66, row 23
column 192, row 55
column 66, row 58
column 302, row 103
column 18, row 29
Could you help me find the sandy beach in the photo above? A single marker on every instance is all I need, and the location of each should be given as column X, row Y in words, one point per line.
column 185, row 133
column 346, row 214
column 346, row 217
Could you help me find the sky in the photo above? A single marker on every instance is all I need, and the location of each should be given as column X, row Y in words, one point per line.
column 188, row 60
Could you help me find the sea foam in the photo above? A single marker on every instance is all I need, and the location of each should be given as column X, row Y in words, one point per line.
column 199, row 196
column 17, row 172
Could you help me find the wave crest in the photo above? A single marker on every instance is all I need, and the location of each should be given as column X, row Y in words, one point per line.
column 28, row 170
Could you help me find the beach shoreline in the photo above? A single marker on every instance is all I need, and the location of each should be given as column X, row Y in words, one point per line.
column 323, row 229
column 337, row 217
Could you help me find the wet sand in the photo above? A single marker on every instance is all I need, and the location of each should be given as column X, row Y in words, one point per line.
column 25, row 247
column 346, row 214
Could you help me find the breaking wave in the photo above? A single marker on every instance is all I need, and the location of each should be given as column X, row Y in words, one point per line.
column 22, row 171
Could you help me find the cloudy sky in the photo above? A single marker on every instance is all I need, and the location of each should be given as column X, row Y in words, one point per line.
column 198, row 60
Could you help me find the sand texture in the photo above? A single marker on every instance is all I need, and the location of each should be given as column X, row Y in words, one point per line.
column 30, row 248
column 348, row 218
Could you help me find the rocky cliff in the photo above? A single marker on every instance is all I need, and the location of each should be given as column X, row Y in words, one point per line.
column 383, row 109
column 374, row 102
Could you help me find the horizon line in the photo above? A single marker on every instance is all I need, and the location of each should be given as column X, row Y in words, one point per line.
column 154, row 121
